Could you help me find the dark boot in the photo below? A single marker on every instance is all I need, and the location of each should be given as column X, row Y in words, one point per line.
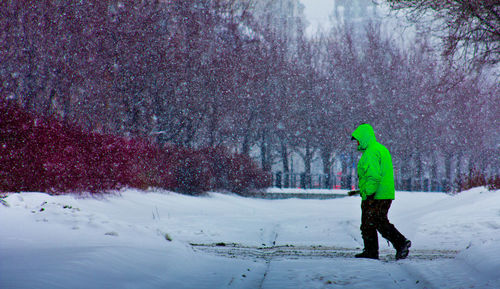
column 370, row 241
column 368, row 255
column 403, row 251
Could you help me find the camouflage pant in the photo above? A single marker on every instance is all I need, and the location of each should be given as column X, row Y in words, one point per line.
column 373, row 219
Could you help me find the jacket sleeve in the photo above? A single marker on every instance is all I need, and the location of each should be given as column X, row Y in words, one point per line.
column 372, row 172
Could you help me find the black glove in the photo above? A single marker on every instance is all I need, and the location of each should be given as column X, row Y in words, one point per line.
column 352, row 193
column 370, row 197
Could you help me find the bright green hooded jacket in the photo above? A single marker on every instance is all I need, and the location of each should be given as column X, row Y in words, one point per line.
column 375, row 171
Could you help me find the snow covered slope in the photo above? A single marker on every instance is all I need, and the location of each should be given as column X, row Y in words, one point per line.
column 159, row 239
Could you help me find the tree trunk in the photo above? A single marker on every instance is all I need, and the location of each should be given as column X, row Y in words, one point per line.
column 406, row 174
column 307, row 164
column 418, row 172
column 343, row 177
column 265, row 152
column 327, row 165
column 448, row 173
column 434, row 173
column 286, row 168
column 459, row 177
column 247, row 137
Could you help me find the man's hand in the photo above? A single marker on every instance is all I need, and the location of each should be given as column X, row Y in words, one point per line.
column 352, row 193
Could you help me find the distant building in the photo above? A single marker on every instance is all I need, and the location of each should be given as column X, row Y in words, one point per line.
column 353, row 11
column 286, row 17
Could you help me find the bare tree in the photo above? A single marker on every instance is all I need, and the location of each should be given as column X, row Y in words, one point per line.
column 469, row 28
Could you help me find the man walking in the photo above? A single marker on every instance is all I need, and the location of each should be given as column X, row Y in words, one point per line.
column 376, row 187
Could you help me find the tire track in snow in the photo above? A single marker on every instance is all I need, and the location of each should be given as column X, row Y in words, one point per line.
column 268, row 238
column 284, row 252
column 272, row 240
column 403, row 273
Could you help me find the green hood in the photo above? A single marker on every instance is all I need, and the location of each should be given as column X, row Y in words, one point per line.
column 365, row 135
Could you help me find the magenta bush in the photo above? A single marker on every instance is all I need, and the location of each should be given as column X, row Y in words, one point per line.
column 197, row 171
column 44, row 154
column 234, row 172
column 189, row 170
column 476, row 178
column 48, row 155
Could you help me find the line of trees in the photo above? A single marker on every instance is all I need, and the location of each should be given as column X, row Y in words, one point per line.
column 206, row 73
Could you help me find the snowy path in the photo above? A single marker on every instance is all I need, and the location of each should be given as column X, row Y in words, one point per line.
column 148, row 268
column 164, row 240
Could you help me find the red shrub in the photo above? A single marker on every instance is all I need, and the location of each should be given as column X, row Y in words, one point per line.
column 18, row 160
column 196, row 171
column 475, row 178
column 44, row 154
column 188, row 172
column 234, row 172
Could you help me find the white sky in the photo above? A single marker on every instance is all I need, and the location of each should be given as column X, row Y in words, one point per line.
column 317, row 13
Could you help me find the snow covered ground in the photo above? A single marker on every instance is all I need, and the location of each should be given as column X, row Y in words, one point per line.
column 159, row 239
